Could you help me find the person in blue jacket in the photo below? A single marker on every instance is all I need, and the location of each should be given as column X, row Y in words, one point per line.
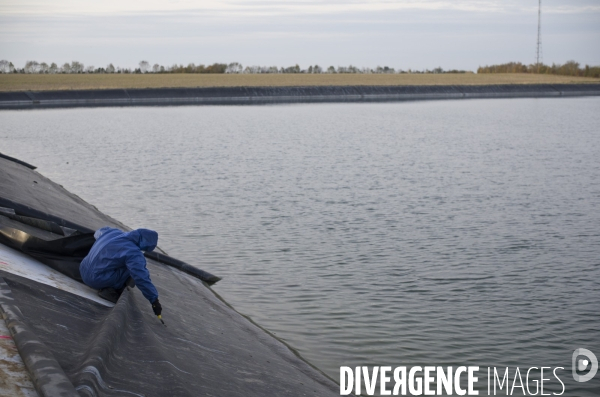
column 116, row 260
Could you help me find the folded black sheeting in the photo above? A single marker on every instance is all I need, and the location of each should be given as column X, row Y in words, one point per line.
column 184, row 267
column 38, row 223
column 47, row 375
column 206, row 349
column 67, row 262
column 27, row 211
column 111, row 351
column 62, row 254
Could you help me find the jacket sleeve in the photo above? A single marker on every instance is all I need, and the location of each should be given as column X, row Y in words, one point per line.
column 136, row 264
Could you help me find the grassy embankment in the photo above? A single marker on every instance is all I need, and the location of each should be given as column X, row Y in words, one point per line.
column 47, row 82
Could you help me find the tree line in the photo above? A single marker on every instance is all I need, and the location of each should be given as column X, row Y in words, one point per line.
column 75, row 67
column 570, row 68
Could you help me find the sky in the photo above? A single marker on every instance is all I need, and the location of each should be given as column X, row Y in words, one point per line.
column 404, row 34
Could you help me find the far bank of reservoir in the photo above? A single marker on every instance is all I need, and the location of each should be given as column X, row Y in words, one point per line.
column 283, row 94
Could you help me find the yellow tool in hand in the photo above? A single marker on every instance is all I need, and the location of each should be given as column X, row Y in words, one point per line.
column 157, row 308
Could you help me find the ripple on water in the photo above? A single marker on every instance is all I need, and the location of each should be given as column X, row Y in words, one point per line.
column 440, row 233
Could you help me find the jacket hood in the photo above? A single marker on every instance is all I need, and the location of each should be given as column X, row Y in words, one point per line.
column 146, row 239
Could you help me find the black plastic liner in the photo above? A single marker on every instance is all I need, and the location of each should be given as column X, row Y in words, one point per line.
column 184, row 267
column 33, row 167
column 291, row 94
column 62, row 254
column 65, row 254
column 29, row 212
column 206, row 349
column 42, row 224
column 49, row 378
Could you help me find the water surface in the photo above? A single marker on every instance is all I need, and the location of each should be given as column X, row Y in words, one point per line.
column 419, row 233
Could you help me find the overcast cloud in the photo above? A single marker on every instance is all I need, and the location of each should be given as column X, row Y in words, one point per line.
column 402, row 34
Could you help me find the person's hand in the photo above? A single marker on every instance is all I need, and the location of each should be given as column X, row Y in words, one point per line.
column 157, row 307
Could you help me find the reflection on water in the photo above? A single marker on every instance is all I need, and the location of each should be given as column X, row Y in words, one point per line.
column 425, row 233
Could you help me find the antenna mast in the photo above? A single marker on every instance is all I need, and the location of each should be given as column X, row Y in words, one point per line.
column 539, row 36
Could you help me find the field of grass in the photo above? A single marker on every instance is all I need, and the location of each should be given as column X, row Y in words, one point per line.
column 45, row 82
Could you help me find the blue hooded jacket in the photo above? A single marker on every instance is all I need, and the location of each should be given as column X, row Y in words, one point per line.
column 115, row 256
